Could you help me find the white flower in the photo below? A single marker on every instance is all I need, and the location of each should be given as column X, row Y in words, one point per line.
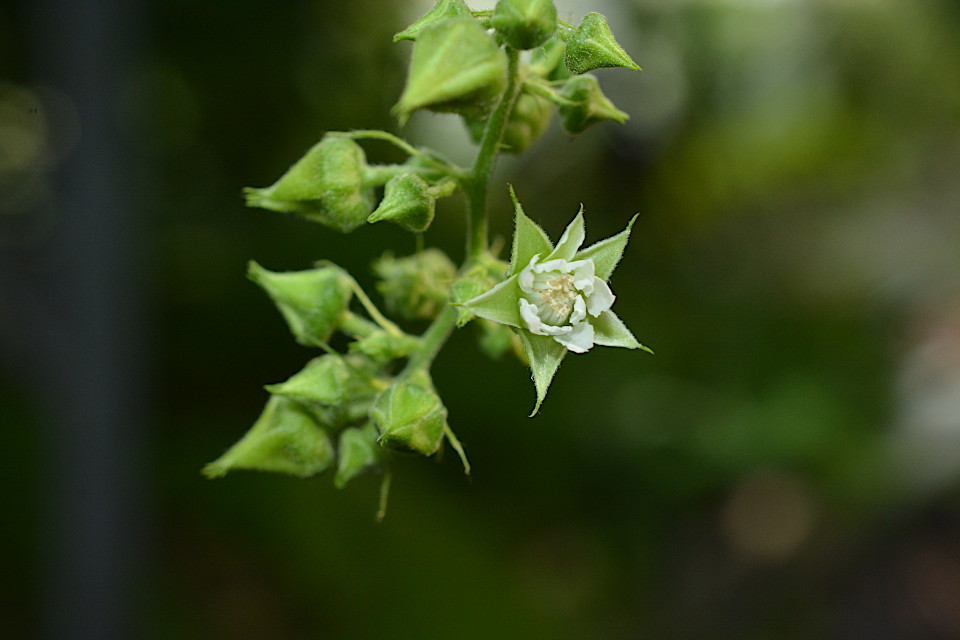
column 558, row 295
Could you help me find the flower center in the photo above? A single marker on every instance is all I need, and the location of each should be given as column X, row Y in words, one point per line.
column 557, row 296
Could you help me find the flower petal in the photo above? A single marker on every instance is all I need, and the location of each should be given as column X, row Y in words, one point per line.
column 579, row 340
column 528, row 239
column 606, row 253
column 528, row 312
column 571, row 239
column 583, row 273
column 579, row 310
column 611, row 332
column 499, row 303
column 525, row 278
column 601, row 299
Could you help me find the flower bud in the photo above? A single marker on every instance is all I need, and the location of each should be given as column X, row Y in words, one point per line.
column 382, row 347
column 528, row 121
column 325, row 186
column 410, row 416
column 593, row 46
column 311, row 301
column 525, row 24
column 406, row 201
column 417, row 286
column 589, row 105
column 285, row 439
column 357, row 451
column 547, row 61
column 456, row 67
column 441, row 11
column 338, row 390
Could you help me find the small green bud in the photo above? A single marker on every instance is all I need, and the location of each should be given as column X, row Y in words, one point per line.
column 406, row 201
column 325, row 186
column 441, row 11
column 547, row 61
column 410, row 416
column 311, row 301
column 456, row 67
column 337, row 389
column 589, row 105
column 525, row 24
column 383, row 347
column 417, row 286
column 593, row 46
column 528, row 121
column 356, row 452
column 285, row 439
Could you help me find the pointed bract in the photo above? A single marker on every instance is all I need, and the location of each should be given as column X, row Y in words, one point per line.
column 528, row 239
column 607, row 253
column 545, row 356
column 356, row 452
column 610, row 331
column 594, row 47
column 441, row 11
column 499, row 304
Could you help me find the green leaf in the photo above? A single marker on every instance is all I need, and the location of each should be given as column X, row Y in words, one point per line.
column 456, row 67
column 609, row 331
column 545, row 355
column 607, row 253
column 500, row 304
column 311, row 301
column 528, row 239
column 593, row 46
column 571, row 239
column 284, row 439
column 356, row 452
column 441, row 11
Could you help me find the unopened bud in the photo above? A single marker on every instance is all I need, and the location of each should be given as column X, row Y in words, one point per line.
column 525, row 24
column 593, row 46
column 441, row 11
column 589, row 105
column 407, row 202
column 417, row 286
column 357, row 451
column 410, row 416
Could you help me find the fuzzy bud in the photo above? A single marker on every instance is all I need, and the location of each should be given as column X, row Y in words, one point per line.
column 410, row 416
column 417, row 286
column 589, row 105
column 525, row 24
column 407, row 202
column 593, row 46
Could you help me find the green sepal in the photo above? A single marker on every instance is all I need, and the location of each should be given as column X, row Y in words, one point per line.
column 382, row 347
column 544, row 355
column 607, row 253
column 418, row 286
column 407, row 202
column 528, row 239
column 410, row 416
column 609, row 331
column 326, row 185
column 593, row 46
column 311, row 301
column 456, row 67
column 357, row 451
column 441, row 11
column 284, row 439
column 525, row 24
column 500, row 304
column 586, row 105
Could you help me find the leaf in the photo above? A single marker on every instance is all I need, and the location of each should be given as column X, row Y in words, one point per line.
column 545, row 355
column 607, row 253
column 528, row 239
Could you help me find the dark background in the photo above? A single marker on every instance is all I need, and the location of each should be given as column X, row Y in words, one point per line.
column 786, row 467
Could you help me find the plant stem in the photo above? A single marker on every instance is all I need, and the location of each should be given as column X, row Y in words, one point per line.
column 476, row 183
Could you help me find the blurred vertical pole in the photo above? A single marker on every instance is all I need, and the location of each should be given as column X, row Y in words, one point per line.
column 87, row 280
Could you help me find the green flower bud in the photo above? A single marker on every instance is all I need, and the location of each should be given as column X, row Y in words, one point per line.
column 410, row 416
column 593, row 46
column 456, row 67
column 417, row 286
column 406, row 201
column 311, row 301
column 338, row 390
column 382, row 347
column 528, row 121
column 525, row 24
column 589, row 105
column 325, row 186
column 357, row 451
column 547, row 61
column 284, row 439
column 441, row 11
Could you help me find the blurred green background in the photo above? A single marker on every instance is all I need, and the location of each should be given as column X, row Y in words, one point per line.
column 786, row 467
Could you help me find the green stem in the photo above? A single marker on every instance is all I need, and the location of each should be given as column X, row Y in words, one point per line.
column 476, row 182
column 431, row 341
